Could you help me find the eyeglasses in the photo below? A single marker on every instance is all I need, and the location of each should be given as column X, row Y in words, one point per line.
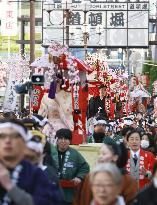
column 10, row 136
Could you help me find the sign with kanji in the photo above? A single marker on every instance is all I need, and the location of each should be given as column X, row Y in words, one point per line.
column 121, row 24
column 9, row 18
column 37, row 95
column 10, row 95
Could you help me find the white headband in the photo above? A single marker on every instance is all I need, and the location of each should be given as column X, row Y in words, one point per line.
column 35, row 146
column 41, row 122
column 100, row 122
column 128, row 122
column 18, row 128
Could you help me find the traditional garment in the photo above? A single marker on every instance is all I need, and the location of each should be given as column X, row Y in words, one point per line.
column 70, row 165
column 59, row 113
column 96, row 105
column 128, row 191
column 145, row 160
column 33, row 181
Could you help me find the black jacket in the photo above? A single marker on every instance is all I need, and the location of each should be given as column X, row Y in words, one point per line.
column 148, row 196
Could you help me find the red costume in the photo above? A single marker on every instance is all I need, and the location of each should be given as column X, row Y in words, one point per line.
column 146, row 161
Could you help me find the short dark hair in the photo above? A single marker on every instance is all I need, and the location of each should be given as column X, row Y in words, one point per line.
column 130, row 133
column 126, row 129
column 64, row 133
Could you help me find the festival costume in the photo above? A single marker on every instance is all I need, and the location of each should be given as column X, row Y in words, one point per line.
column 72, row 165
column 33, row 181
column 94, row 104
column 59, row 113
column 146, row 159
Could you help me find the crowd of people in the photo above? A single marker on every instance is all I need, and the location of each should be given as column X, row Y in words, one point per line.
column 34, row 171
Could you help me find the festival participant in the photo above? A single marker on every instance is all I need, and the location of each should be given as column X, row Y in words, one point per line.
column 35, row 122
column 34, row 153
column 58, row 111
column 20, row 182
column 140, row 162
column 115, row 153
column 97, row 104
column 71, row 166
column 125, row 131
column 148, row 195
column 109, row 131
column 106, row 181
column 99, row 131
column 98, row 135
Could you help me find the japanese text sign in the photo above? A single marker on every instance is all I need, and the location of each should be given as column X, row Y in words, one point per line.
column 121, row 24
column 9, row 19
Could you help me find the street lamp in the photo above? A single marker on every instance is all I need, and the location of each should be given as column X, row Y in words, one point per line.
column 66, row 7
column 49, row 7
column 99, row 29
column 85, row 28
column 72, row 32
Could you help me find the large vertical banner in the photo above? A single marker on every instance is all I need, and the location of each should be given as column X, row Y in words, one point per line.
column 10, row 95
column 9, row 14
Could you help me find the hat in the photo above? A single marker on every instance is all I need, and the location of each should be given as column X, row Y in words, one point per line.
column 29, row 123
column 99, row 122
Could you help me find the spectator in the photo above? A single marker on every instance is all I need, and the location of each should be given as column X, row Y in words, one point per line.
column 106, row 180
column 116, row 153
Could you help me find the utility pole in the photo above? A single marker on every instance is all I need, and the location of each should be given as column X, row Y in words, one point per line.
column 155, row 57
column 32, row 30
column 22, row 50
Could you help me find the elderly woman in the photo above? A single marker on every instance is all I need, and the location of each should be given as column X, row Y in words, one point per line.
column 106, row 181
column 115, row 153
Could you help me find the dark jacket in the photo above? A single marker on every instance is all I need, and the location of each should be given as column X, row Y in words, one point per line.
column 147, row 196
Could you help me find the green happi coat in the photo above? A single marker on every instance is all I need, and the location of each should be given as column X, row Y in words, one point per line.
column 74, row 165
